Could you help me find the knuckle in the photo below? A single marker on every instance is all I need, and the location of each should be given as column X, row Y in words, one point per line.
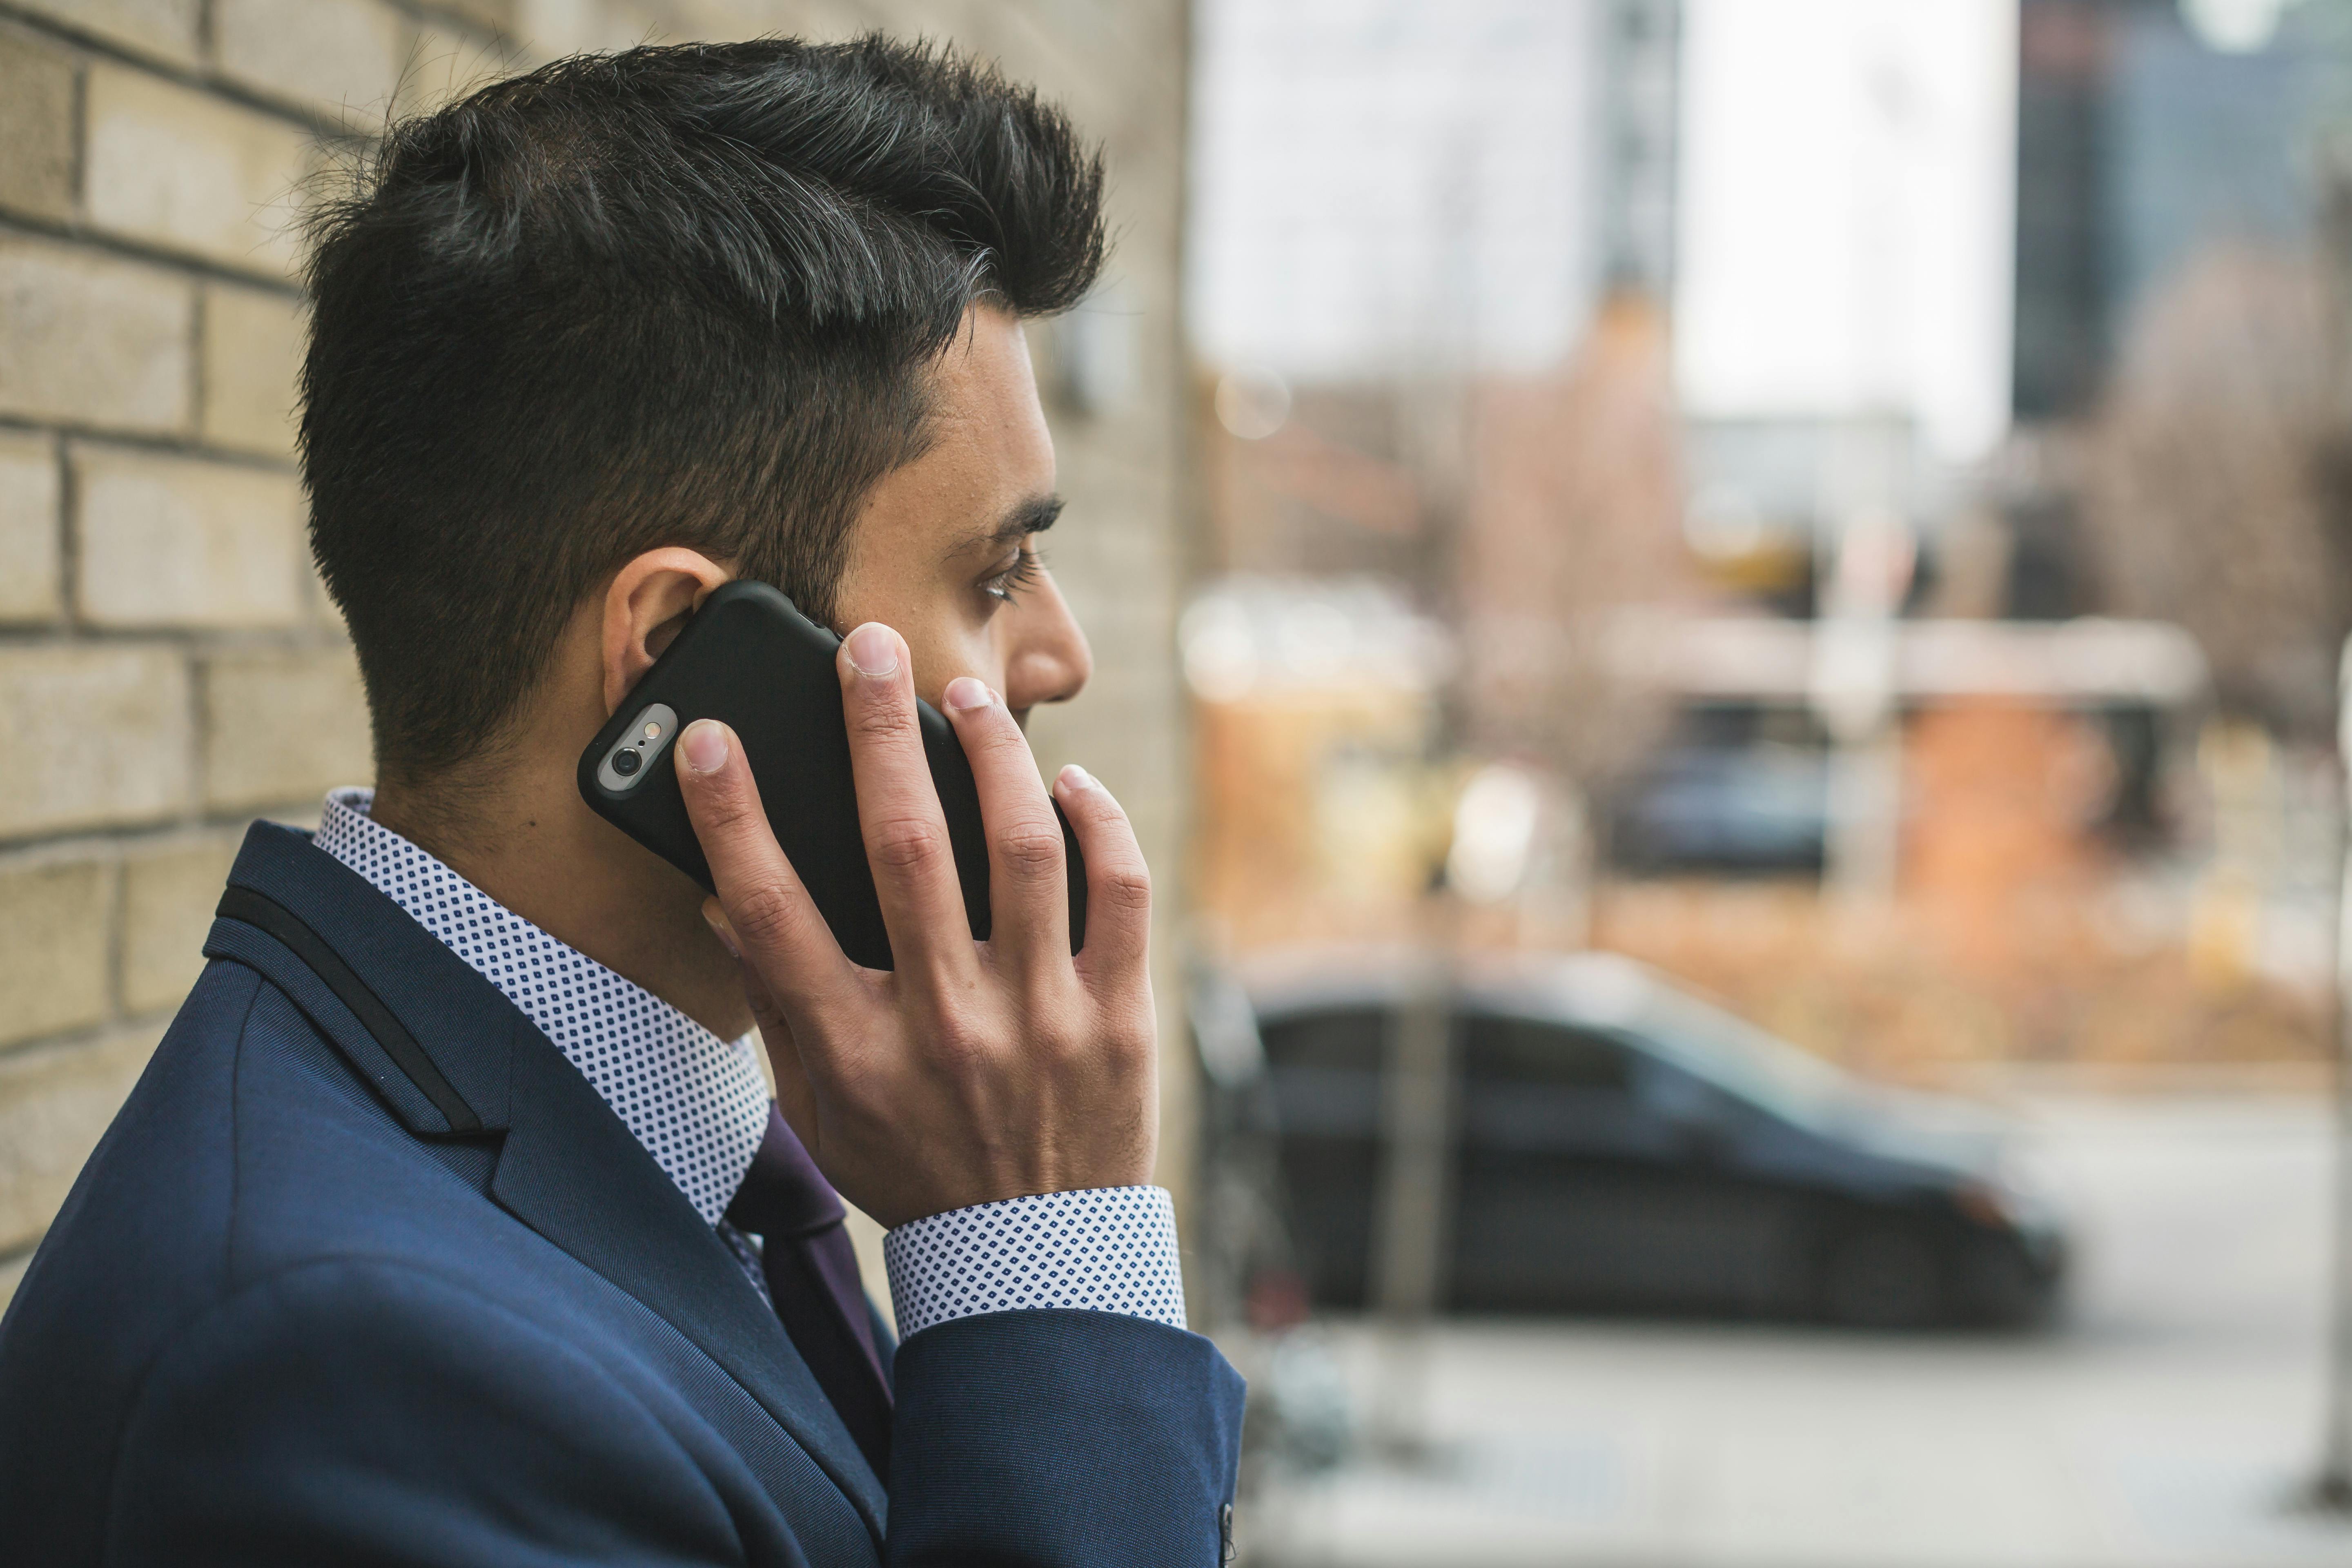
column 775, row 1029
column 716, row 800
column 903, row 843
column 1098, row 806
column 958, row 1041
column 728, row 813
column 996, row 732
column 1061, row 1049
column 1126, row 887
column 1139, row 1040
column 1127, row 1051
column 1031, row 851
column 879, row 719
column 762, row 915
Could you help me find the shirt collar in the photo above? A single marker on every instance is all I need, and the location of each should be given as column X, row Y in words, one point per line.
column 697, row 1102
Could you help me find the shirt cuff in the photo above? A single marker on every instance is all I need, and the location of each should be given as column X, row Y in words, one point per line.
column 1103, row 1249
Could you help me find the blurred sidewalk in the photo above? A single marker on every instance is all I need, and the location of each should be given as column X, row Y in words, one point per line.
column 2166, row 1421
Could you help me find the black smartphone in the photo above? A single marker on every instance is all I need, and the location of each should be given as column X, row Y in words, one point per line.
column 750, row 658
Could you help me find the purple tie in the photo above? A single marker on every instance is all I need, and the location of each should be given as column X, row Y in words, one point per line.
column 813, row 1277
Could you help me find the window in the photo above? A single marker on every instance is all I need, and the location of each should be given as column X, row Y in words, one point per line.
column 1523, row 1052
column 1352, row 1039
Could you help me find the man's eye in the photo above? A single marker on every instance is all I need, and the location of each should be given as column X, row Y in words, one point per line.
column 1005, row 586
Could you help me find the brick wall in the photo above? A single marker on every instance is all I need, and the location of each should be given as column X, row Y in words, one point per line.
column 169, row 666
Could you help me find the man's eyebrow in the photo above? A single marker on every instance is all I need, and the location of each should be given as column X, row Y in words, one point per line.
column 1035, row 515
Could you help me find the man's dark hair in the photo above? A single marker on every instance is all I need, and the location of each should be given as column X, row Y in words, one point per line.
column 676, row 296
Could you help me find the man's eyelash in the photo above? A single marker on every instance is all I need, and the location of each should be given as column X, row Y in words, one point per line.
column 1006, row 585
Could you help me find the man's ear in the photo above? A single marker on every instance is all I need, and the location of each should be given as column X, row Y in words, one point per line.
column 645, row 606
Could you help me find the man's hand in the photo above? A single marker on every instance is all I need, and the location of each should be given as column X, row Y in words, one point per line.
column 972, row 1071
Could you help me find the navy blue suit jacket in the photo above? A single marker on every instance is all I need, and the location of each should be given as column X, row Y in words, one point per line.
column 365, row 1272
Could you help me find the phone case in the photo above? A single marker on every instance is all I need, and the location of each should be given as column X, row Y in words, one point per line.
column 749, row 657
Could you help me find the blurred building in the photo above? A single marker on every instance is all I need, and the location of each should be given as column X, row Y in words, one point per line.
column 169, row 668
column 2141, row 140
column 1845, row 196
column 2155, row 142
column 1432, row 247
column 1820, row 629
column 1641, row 143
column 2170, row 164
column 2179, row 351
column 1384, row 186
column 1767, row 494
column 2068, row 832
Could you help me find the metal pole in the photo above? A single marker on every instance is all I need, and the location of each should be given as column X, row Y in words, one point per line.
column 1409, row 1245
column 2333, row 1490
column 1853, row 682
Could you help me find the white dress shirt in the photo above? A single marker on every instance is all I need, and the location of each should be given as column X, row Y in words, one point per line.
column 700, row 1107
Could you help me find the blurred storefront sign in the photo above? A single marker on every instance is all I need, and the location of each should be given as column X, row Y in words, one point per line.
column 2066, row 662
column 1258, row 636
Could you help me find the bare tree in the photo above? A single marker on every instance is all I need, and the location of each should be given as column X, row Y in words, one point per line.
column 1574, row 519
column 2210, row 479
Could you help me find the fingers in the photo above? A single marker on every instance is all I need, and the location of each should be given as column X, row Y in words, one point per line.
column 795, row 1094
column 1028, row 891
column 775, row 928
column 1118, row 884
column 898, row 809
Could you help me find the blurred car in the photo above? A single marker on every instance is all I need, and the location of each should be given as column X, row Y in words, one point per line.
column 1764, row 808
column 1621, row 1145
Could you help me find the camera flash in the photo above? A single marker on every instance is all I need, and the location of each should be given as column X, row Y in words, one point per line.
column 624, row 767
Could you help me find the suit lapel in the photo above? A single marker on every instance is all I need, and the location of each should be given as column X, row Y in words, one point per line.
column 563, row 1150
column 567, row 1167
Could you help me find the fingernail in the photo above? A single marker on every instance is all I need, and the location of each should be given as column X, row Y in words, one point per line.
column 704, row 746
column 964, row 693
column 723, row 932
column 1074, row 777
column 873, row 651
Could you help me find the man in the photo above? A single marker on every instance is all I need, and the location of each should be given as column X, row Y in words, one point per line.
column 453, row 1222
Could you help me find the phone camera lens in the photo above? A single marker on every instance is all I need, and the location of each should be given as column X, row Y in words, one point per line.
column 627, row 761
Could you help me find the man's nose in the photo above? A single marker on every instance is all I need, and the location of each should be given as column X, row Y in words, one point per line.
column 1048, row 661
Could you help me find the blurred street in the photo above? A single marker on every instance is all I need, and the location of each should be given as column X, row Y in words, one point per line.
column 2168, row 1418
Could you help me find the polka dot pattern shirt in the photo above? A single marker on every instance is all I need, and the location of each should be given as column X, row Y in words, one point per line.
column 697, row 1102
column 1104, row 1249
column 700, row 1107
